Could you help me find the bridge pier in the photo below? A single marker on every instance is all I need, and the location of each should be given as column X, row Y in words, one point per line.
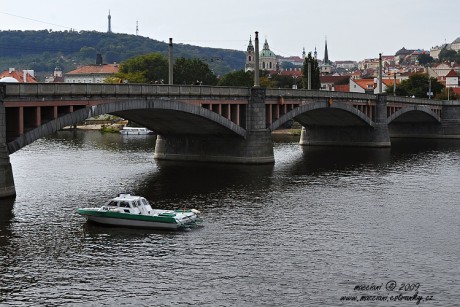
column 451, row 121
column 359, row 136
column 255, row 148
column 7, row 188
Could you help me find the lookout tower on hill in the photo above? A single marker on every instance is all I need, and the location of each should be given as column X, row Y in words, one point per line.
column 109, row 30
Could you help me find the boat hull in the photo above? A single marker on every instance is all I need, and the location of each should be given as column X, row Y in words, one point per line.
column 115, row 218
column 132, row 223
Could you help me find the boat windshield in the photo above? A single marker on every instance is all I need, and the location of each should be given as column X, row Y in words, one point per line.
column 124, row 204
column 112, row 204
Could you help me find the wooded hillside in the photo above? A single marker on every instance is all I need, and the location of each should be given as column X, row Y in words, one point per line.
column 43, row 50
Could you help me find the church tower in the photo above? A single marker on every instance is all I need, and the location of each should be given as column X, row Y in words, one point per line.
column 250, row 58
column 110, row 23
column 326, row 54
column 268, row 60
column 326, row 66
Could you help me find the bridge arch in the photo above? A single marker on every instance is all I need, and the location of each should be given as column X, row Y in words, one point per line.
column 353, row 117
column 155, row 114
column 414, row 113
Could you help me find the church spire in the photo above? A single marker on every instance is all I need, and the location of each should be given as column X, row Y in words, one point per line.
column 110, row 23
column 326, row 55
column 266, row 47
column 250, row 45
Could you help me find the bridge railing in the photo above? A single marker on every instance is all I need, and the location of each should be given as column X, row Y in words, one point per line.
column 419, row 101
column 302, row 93
column 292, row 93
column 34, row 90
column 14, row 91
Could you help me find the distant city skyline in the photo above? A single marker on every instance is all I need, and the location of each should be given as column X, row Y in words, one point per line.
column 355, row 30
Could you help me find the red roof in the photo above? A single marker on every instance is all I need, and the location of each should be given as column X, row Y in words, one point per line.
column 18, row 75
column 390, row 82
column 365, row 83
column 342, row 88
column 452, row 73
column 104, row 69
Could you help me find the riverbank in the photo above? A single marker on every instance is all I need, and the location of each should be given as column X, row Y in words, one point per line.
column 117, row 127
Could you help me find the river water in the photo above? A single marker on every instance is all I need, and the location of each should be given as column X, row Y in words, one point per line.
column 317, row 228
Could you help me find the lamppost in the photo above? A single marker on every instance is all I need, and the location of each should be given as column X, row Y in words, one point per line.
column 430, row 93
column 170, row 62
column 380, row 73
column 394, row 84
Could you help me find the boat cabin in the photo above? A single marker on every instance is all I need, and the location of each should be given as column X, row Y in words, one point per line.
column 135, row 130
column 130, row 204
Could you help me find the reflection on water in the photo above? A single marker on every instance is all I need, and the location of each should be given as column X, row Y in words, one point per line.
column 183, row 180
column 301, row 232
column 318, row 159
column 6, row 220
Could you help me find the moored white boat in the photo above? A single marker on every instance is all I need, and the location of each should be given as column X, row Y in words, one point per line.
column 135, row 131
column 135, row 211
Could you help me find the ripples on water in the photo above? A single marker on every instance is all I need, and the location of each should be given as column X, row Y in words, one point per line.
column 302, row 232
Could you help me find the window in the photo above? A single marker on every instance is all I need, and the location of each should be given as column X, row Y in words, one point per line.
column 112, row 204
column 124, row 204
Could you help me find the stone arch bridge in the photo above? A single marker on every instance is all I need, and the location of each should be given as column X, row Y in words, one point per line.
column 219, row 124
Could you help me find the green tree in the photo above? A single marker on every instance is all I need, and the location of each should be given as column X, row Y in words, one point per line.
column 281, row 81
column 315, row 83
column 148, row 68
column 447, row 55
column 447, row 94
column 237, row 78
column 87, row 52
column 266, row 81
column 113, row 80
column 193, row 71
column 425, row 59
column 418, row 86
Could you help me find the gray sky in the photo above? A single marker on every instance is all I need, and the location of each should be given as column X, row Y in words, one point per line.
column 355, row 29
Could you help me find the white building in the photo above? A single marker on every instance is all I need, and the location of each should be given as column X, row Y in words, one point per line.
column 346, row 64
column 455, row 44
column 91, row 73
column 452, row 79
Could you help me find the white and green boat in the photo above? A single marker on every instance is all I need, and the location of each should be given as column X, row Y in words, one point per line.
column 135, row 211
